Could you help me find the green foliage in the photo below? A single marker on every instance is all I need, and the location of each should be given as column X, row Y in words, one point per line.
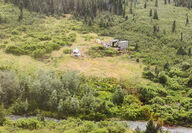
column 38, row 53
column 131, row 99
column 16, row 50
column 157, row 100
column 67, row 51
column 174, row 26
column 101, row 51
column 181, row 51
column 118, row 96
column 9, row 86
column 162, row 78
column 2, row 115
column 44, row 38
column 151, row 127
column 69, row 125
column 28, row 124
column 20, row 107
column 149, row 75
column 155, row 14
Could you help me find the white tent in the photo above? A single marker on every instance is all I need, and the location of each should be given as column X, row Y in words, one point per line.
column 76, row 52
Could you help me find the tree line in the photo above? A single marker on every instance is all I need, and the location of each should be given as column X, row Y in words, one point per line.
column 184, row 3
column 80, row 8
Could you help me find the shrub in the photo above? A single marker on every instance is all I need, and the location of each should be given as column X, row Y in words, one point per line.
column 38, row 53
column 20, row 107
column 31, row 123
column 2, row 114
column 101, row 51
column 67, row 51
column 49, row 46
column 16, row 50
column 189, row 94
column 118, row 96
column 157, row 100
column 9, row 86
column 147, row 93
column 163, row 78
column 149, row 75
column 181, row 51
column 2, row 46
column 72, row 37
column 15, row 32
column 130, row 99
column 185, row 66
column 44, row 38
column 152, row 128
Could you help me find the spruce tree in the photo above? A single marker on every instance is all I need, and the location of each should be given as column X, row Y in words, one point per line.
column 151, row 12
column 151, row 128
column 156, row 3
column 189, row 52
column 21, row 4
column 165, row 2
column 154, row 28
column 131, row 8
column 136, row 47
column 181, row 51
column 187, row 20
column 118, row 96
column 181, row 39
column 166, row 66
column 155, row 14
column 174, row 26
column 145, row 5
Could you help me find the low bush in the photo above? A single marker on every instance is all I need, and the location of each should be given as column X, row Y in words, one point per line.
column 44, row 38
column 67, row 51
column 38, row 53
column 16, row 50
column 31, row 124
column 72, row 37
column 101, row 51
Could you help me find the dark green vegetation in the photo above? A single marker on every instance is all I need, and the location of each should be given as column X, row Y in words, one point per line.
column 69, row 94
column 67, row 126
column 39, row 125
column 161, row 38
column 101, row 51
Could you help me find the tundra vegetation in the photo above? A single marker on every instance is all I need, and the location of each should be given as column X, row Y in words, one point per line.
column 37, row 31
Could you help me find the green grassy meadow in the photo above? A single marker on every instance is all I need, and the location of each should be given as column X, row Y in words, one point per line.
column 151, row 80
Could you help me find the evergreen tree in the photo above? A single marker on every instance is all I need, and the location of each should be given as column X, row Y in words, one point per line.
column 155, row 14
column 151, row 128
column 136, row 47
column 187, row 20
column 151, row 12
column 165, row 2
column 189, row 52
column 145, row 5
column 174, row 26
column 137, row 130
column 6, row 1
column 155, row 28
column 21, row 4
column 131, row 8
column 181, row 51
column 181, row 39
column 118, row 96
column 166, row 66
column 156, row 3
